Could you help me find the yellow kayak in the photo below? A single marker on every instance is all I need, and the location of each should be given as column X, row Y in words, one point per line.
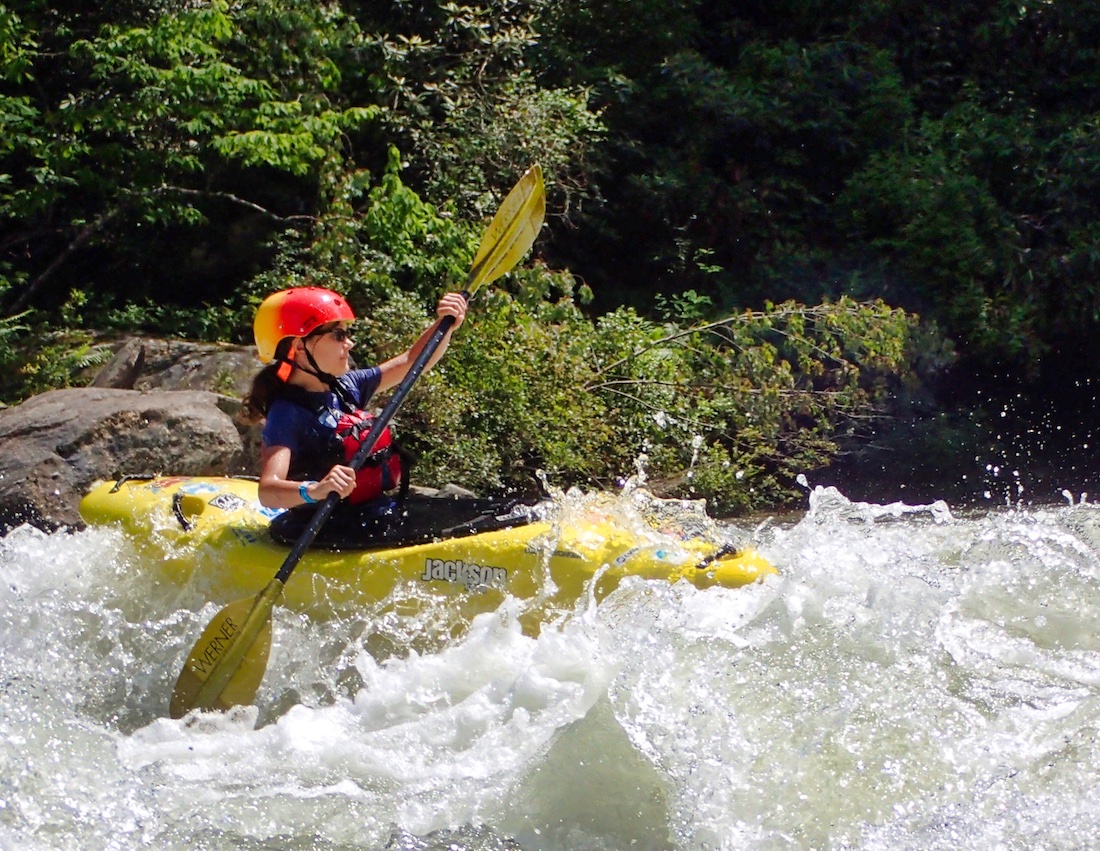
column 214, row 530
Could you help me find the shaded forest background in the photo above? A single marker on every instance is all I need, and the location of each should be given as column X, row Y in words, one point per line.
column 785, row 237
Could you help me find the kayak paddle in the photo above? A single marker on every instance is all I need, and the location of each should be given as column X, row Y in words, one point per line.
column 227, row 665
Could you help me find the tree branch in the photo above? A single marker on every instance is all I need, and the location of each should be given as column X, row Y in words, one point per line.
column 166, row 189
column 85, row 234
column 92, row 228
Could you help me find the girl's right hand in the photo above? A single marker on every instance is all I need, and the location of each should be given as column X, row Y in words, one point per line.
column 340, row 479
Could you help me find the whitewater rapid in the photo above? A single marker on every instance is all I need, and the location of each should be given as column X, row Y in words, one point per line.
column 916, row 677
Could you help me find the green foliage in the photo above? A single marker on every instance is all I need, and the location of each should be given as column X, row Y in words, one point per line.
column 713, row 169
column 38, row 355
column 58, row 359
column 730, row 410
column 727, row 156
column 11, row 331
column 747, row 402
column 687, row 306
column 144, row 125
column 462, row 104
column 940, row 156
column 507, row 402
column 938, row 221
column 17, row 112
column 375, row 243
column 209, row 323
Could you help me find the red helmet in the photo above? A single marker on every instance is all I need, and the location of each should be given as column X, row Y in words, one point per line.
column 296, row 313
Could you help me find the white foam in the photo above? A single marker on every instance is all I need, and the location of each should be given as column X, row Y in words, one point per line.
column 912, row 679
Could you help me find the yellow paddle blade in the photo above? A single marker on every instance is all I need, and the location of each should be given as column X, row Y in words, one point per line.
column 227, row 664
column 511, row 232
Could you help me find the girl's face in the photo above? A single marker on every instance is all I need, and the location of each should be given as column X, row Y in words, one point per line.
column 331, row 346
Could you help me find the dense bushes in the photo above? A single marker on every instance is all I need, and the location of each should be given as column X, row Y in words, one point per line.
column 731, row 410
column 943, row 157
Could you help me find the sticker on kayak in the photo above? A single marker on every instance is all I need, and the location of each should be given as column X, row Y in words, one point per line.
column 246, row 534
column 627, row 556
column 537, row 547
column 228, row 502
column 198, row 487
column 474, row 577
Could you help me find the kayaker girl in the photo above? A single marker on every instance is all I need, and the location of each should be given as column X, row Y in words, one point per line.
column 313, row 402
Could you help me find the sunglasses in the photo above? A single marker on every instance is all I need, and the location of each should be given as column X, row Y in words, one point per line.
column 340, row 335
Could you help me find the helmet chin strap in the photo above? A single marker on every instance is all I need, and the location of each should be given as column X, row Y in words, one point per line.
column 326, row 378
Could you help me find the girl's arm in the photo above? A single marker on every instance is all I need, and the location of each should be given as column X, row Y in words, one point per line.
column 395, row 369
column 277, row 491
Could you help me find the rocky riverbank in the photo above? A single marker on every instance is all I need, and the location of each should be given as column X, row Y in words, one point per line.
column 156, row 407
column 169, row 407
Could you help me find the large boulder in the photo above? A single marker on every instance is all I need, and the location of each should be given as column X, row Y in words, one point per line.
column 55, row 445
column 145, row 363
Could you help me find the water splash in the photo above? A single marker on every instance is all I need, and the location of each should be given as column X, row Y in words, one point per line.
column 915, row 678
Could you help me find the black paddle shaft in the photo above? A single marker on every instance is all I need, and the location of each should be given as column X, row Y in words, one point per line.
column 366, row 447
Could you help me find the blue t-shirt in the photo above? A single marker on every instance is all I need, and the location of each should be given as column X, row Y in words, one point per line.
column 299, row 428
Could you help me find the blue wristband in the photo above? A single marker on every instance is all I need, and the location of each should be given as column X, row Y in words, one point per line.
column 303, row 493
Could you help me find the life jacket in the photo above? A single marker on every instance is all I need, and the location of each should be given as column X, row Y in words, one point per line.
column 384, row 469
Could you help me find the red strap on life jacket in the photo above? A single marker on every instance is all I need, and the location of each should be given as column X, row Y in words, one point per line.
column 383, row 470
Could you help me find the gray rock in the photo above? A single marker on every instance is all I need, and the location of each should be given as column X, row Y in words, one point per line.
column 54, row 446
column 124, row 369
column 179, row 418
column 149, row 363
column 144, row 363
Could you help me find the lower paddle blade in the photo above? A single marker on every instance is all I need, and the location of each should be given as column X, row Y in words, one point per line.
column 224, row 638
column 227, row 665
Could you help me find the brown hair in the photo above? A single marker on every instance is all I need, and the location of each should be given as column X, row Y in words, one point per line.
column 266, row 387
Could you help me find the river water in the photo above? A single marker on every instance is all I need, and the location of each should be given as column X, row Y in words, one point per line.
column 918, row 677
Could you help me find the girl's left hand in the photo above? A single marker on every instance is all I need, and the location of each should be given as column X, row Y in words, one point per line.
column 452, row 304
